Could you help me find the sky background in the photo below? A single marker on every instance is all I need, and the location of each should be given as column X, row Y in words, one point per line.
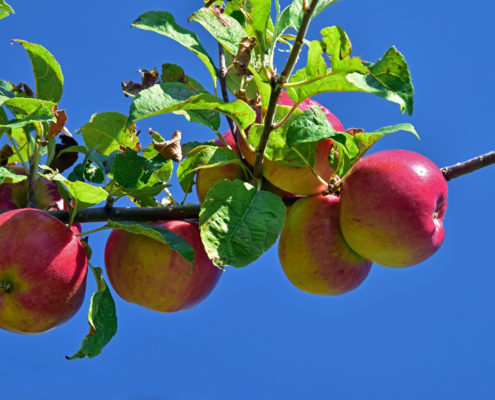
column 424, row 332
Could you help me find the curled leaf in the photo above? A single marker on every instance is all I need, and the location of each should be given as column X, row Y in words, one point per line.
column 57, row 126
column 243, row 57
column 169, row 149
column 148, row 79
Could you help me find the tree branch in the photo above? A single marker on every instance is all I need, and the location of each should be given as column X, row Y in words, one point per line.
column 276, row 85
column 465, row 167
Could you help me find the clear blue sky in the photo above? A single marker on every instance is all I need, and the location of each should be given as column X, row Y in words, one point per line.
column 424, row 332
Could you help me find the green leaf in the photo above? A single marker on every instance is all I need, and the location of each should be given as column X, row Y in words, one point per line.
column 85, row 194
column 5, row 9
column 163, row 23
column 108, row 131
column 260, row 14
column 128, row 169
column 225, row 29
column 47, row 72
column 311, row 126
column 351, row 73
column 102, row 319
column 175, row 73
column 171, row 239
column 368, row 139
column 7, row 173
column 21, row 140
column 177, row 97
column 238, row 223
column 203, row 156
column 389, row 78
column 26, row 105
column 41, row 114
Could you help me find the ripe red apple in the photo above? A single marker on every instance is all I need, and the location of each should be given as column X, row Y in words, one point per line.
column 298, row 180
column 312, row 251
column 15, row 195
column 207, row 177
column 393, row 204
column 43, row 270
column 151, row 274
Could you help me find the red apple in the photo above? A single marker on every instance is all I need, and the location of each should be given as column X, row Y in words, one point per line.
column 312, row 251
column 207, row 177
column 43, row 270
column 151, row 274
column 298, row 180
column 15, row 195
column 393, row 204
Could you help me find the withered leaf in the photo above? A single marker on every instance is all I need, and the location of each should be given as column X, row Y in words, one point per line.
column 169, row 149
column 148, row 79
column 243, row 57
column 65, row 160
column 5, row 153
column 23, row 88
column 57, row 126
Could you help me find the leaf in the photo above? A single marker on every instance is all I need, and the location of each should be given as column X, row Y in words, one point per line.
column 171, row 239
column 175, row 73
column 202, row 156
column 128, row 169
column 163, row 23
column 311, row 126
column 27, row 106
column 41, row 114
column 5, row 9
column 170, row 149
column 260, row 13
column 392, row 80
column 47, row 72
column 177, row 97
column 368, row 139
column 102, row 319
column 7, row 173
column 389, row 78
column 108, row 131
column 238, row 223
column 225, row 29
column 85, row 194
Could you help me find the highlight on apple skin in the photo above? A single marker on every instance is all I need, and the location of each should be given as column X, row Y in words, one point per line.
column 312, row 251
column 43, row 270
column 207, row 177
column 298, row 180
column 151, row 274
column 393, row 204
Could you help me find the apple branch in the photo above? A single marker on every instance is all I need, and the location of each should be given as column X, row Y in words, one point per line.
column 465, row 167
column 276, row 83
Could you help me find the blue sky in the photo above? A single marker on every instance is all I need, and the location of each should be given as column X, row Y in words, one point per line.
column 424, row 332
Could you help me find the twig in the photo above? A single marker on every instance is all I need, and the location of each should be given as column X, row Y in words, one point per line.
column 222, row 77
column 465, row 167
column 276, row 85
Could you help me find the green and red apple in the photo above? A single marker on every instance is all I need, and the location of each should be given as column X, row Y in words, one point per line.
column 313, row 252
column 298, row 180
column 43, row 269
column 151, row 274
column 393, row 204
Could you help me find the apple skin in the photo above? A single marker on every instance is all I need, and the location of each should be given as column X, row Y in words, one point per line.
column 151, row 274
column 298, row 180
column 393, row 204
column 43, row 270
column 14, row 195
column 313, row 252
column 207, row 177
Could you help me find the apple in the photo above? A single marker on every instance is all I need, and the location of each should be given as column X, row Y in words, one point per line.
column 393, row 204
column 151, row 274
column 43, row 269
column 298, row 180
column 313, row 252
column 207, row 177
column 15, row 195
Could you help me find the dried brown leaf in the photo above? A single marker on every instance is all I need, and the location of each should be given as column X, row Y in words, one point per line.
column 169, row 149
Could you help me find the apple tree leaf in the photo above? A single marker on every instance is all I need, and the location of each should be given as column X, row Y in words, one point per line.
column 5, row 9
column 171, row 239
column 26, row 105
column 41, row 114
column 47, row 72
column 238, row 223
column 388, row 78
column 108, row 131
column 225, row 29
column 260, row 14
column 7, row 173
column 203, row 156
column 102, row 319
column 163, row 23
column 177, row 97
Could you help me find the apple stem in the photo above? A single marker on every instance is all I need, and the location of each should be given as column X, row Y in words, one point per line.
column 465, row 167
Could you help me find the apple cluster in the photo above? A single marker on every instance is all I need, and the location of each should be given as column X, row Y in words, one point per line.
column 387, row 210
